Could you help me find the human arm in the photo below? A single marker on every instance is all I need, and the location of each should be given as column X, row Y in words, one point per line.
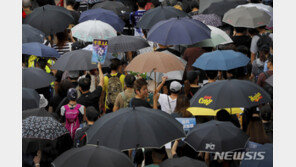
column 161, row 84
column 174, row 148
column 117, row 103
column 155, row 100
column 37, row 159
column 101, row 75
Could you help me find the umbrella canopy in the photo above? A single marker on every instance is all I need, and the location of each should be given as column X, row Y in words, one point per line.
column 250, row 17
column 266, row 8
column 268, row 157
column 156, row 61
column 182, row 161
column 38, row 112
column 41, row 131
column 177, row 31
column 39, row 50
column 30, row 99
column 230, row 94
column 49, row 19
column 221, row 60
column 220, row 8
column 36, row 78
column 204, row 4
column 269, row 80
column 209, row 19
column 218, row 37
column 140, row 127
column 103, row 15
column 75, row 60
column 125, row 43
column 216, row 136
column 31, row 34
column 92, row 155
column 199, row 111
column 93, row 29
column 115, row 6
column 90, row 1
column 153, row 16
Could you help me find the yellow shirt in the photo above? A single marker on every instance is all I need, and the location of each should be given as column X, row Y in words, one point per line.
column 106, row 80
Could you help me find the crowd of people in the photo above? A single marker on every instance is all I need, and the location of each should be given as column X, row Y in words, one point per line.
column 78, row 99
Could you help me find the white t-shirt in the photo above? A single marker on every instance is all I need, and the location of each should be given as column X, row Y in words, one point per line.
column 168, row 105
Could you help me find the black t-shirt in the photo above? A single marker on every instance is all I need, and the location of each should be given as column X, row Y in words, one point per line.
column 192, row 91
column 91, row 98
column 242, row 40
column 140, row 103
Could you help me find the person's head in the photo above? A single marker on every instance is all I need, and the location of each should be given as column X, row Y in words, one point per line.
column 62, row 38
column 192, row 77
column 91, row 114
column 211, row 74
column 63, row 88
column 270, row 62
column 194, row 6
column 115, row 64
column 256, row 131
column 255, row 1
column 182, row 105
column 26, row 4
column 266, row 112
column 261, row 28
column 129, row 80
column 263, row 52
column 223, row 115
column 158, row 155
column 72, row 94
column 252, row 31
column 70, row 3
column 175, row 87
column 73, row 75
column 41, row 63
column 84, row 84
column 141, row 3
column 140, row 88
column 240, row 30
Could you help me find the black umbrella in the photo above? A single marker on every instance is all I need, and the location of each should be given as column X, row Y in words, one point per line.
column 230, row 94
column 92, row 155
column 39, row 132
column 36, row 78
column 115, row 6
column 75, row 60
column 181, row 162
column 220, row 8
column 31, row 34
column 30, row 99
column 50, row 19
column 124, row 43
column 153, row 16
column 130, row 128
column 39, row 112
column 216, row 136
column 267, row 151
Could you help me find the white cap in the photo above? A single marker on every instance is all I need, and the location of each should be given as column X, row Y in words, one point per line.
column 175, row 86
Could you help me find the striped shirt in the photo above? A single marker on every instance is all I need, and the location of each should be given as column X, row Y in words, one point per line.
column 64, row 49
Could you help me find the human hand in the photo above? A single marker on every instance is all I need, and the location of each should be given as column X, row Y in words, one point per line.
column 99, row 65
column 164, row 78
column 37, row 158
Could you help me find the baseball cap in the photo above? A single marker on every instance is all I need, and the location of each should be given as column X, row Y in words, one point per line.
column 175, row 86
column 72, row 94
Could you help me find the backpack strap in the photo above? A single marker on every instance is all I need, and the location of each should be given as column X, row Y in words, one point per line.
column 130, row 104
column 118, row 75
column 109, row 75
column 66, row 107
column 123, row 96
column 77, row 106
column 169, row 103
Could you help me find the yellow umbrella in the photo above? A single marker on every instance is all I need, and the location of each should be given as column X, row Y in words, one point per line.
column 199, row 111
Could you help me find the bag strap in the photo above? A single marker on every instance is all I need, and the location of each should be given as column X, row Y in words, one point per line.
column 123, row 96
column 169, row 103
column 130, row 104
column 77, row 106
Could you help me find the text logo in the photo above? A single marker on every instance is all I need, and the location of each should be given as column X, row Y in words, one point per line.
column 205, row 100
column 256, row 97
column 239, row 156
column 210, row 146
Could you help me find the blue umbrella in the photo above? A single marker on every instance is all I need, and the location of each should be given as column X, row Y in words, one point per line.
column 103, row 15
column 221, row 60
column 179, row 31
column 31, row 34
column 39, row 50
column 267, row 151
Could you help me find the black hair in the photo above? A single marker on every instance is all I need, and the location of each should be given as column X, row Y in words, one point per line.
column 70, row 2
column 194, row 4
column 139, row 157
column 45, row 2
column 264, row 41
column 84, row 84
column 253, row 31
column 265, row 112
column 62, row 38
column 192, row 76
column 270, row 59
column 223, row 115
column 211, row 74
column 115, row 64
column 255, row 1
column 42, row 62
column 142, row 3
column 240, row 29
column 63, row 87
column 129, row 80
column 91, row 114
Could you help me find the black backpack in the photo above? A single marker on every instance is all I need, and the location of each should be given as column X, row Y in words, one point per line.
column 264, row 41
column 268, row 88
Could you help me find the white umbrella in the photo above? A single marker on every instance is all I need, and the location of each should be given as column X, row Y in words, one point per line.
column 218, row 37
column 261, row 6
column 172, row 75
column 93, row 29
